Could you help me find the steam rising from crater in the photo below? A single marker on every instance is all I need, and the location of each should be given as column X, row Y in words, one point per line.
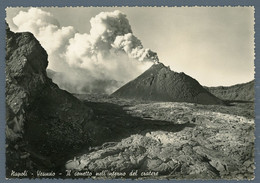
column 101, row 61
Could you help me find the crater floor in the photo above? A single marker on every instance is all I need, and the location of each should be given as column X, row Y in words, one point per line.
column 183, row 141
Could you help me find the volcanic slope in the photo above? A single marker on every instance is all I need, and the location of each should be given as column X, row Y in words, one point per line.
column 159, row 83
column 41, row 119
column 239, row 92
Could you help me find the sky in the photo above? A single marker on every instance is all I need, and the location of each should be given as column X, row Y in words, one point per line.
column 214, row 45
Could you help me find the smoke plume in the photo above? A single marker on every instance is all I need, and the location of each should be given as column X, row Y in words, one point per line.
column 99, row 61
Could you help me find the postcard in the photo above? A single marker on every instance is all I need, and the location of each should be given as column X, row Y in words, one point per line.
column 130, row 92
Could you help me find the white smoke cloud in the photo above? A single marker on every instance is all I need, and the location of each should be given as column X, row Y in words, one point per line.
column 101, row 61
column 133, row 47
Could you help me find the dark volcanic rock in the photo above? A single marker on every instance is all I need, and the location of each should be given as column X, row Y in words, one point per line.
column 239, row 92
column 41, row 119
column 159, row 83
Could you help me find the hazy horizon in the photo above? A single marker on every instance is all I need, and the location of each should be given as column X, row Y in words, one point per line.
column 214, row 45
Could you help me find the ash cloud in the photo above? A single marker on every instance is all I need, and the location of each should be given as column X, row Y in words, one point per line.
column 99, row 61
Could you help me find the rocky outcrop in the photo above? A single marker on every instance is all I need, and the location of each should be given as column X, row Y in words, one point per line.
column 239, row 92
column 159, row 83
column 41, row 119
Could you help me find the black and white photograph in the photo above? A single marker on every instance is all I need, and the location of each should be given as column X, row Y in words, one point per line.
column 130, row 93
